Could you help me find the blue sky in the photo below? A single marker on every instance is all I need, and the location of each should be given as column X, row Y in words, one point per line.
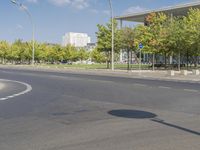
column 53, row 18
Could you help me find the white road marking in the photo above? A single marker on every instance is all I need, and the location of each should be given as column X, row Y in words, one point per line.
column 164, row 87
column 191, row 90
column 137, row 84
column 28, row 89
column 1, row 86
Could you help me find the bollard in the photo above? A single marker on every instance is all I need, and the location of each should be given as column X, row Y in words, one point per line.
column 171, row 73
column 195, row 72
column 184, row 72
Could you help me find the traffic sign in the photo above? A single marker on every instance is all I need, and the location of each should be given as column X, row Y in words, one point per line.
column 141, row 46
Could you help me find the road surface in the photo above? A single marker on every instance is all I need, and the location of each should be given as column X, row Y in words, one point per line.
column 66, row 111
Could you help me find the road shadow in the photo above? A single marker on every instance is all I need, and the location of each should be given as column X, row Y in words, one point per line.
column 137, row 114
column 175, row 126
column 134, row 114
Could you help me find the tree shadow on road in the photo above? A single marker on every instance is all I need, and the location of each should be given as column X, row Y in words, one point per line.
column 138, row 114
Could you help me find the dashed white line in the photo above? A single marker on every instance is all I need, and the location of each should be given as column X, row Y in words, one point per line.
column 28, row 89
column 164, row 87
column 1, row 86
column 190, row 90
column 137, row 84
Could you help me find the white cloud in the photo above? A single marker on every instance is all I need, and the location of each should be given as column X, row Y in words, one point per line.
column 95, row 11
column 134, row 9
column 19, row 27
column 32, row 1
column 60, row 2
column 78, row 4
column 106, row 12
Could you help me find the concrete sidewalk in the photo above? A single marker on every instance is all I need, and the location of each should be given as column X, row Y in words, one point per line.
column 145, row 74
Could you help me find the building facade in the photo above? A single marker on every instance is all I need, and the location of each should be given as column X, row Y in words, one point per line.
column 140, row 17
column 76, row 39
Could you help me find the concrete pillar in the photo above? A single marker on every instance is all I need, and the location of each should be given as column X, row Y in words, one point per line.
column 121, row 24
column 144, row 57
column 170, row 59
column 121, row 56
column 172, row 16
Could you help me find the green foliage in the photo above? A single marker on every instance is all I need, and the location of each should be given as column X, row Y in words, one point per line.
column 127, row 39
column 171, row 35
column 21, row 52
column 83, row 54
column 4, row 47
column 98, row 56
column 104, row 39
column 192, row 31
column 162, row 35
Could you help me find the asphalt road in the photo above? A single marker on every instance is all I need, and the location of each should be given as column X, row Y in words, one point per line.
column 66, row 111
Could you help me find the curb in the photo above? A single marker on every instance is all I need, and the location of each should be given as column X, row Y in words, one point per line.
column 116, row 73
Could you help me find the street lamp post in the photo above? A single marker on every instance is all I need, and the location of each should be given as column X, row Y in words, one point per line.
column 20, row 5
column 140, row 63
column 112, row 18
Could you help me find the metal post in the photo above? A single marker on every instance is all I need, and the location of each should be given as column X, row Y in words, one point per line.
column 179, row 61
column 140, row 60
column 112, row 18
column 33, row 27
column 121, row 51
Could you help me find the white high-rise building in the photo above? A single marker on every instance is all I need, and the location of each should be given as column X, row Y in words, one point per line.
column 76, row 39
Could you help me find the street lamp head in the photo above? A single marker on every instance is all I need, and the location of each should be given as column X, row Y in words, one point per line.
column 14, row 1
column 23, row 7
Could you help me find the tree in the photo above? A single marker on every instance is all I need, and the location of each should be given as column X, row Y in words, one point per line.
column 104, row 40
column 83, row 54
column 192, row 30
column 175, row 41
column 15, row 53
column 154, row 34
column 127, row 40
column 4, row 48
column 70, row 53
column 98, row 56
column 59, row 53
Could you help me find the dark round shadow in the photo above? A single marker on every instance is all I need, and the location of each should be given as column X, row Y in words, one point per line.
column 135, row 114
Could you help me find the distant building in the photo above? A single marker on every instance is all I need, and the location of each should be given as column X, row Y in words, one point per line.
column 90, row 46
column 51, row 44
column 76, row 39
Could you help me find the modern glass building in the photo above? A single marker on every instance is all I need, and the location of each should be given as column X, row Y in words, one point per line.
column 177, row 10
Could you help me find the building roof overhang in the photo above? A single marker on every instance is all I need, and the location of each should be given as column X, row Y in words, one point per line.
column 177, row 10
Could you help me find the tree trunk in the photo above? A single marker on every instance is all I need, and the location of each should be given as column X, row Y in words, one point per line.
column 196, row 61
column 131, row 58
column 187, row 59
column 128, row 60
column 153, row 62
column 165, row 60
column 179, row 61
column 107, row 61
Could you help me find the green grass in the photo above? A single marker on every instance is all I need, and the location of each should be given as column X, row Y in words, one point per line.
column 94, row 66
